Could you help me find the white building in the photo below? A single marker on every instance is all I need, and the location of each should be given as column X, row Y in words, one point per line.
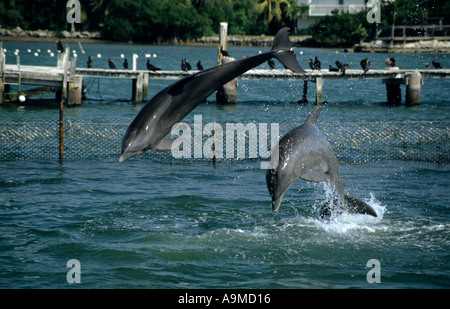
column 320, row 8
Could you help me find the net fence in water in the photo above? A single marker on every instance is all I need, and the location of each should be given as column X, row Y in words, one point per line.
column 353, row 142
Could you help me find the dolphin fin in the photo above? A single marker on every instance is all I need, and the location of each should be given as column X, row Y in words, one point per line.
column 282, row 51
column 356, row 205
column 312, row 118
column 164, row 145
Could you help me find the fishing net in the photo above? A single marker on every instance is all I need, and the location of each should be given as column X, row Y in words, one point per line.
column 426, row 141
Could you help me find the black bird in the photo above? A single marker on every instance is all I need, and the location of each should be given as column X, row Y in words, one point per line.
column 125, row 64
column 331, row 69
column 271, row 63
column 183, row 65
column 151, row 67
column 365, row 64
column 338, row 64
column 188, row 65
column 59, row 46
column 199, row 65
column 317, row 64
column 89, row 62
column 389, row 62
column 224, row 52
column 111, row 64
column 436, row 64
column 343, row 68
column 311, row 64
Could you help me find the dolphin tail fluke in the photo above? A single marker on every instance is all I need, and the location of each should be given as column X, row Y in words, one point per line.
column 356, row 205
column 284, row 54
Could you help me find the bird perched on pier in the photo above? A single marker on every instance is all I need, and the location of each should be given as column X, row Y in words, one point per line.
column 389, row 62
column 271, row 63
column 365, row 65
column 331, row 69
column 338, row 64
column 436, row 64
column 89, row 62
column 151, row 67
column 125, row 64
column 59, row 46
column 183, row 65
column 224, row 52
column 111, row 64
column 199, row 65
column 188, row 65
column 343, row 68
column 317, row 63
column 311, row 64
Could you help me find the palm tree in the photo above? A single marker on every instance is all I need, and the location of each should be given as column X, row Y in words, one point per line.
column 271, row 9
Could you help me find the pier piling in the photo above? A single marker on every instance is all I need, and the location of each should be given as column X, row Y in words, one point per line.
column 413, row 85
column 319, row 84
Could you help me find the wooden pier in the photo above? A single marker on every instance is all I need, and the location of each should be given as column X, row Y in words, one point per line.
column 66, row 80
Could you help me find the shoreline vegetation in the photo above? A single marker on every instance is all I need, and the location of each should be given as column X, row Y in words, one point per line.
column 426, row 46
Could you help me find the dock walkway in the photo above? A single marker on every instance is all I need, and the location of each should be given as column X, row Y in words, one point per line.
column 67, row 76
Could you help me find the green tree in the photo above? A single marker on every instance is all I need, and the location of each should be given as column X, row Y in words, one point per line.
column 340, row 29
column 271, row 9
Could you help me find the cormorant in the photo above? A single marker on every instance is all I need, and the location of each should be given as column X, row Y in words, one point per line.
column 389, row 62
column 89, row 62
column 343, row 68
column 151, row 67
column 188, row 65
column 436, row 64
column 338, row 64
column 183, row 65
column 311, row 64
column 224, row 52
column 317, row 64
column 271, row 63
column 199, row 65
column 365, row 64
column 125, row 64
column 59, row 46
column 331, row 69
column 111, row 64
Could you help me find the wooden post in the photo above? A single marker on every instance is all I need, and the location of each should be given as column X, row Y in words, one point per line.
column 223, row 32
column 138, row 88
column 65, row 66
column 145, row 87
column 74, row 91
column 74, row 85
column 413, row 84
column 319, row 84
column 394, row 95
column 226, row 94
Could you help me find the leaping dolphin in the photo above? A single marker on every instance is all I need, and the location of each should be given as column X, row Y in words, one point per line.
column 305, row 153
column 155, row 120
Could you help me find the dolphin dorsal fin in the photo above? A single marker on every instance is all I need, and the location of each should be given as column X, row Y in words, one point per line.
column 312, row 119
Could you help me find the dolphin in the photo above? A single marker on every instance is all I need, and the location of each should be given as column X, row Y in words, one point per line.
column 168, row 107
column 304, row 153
